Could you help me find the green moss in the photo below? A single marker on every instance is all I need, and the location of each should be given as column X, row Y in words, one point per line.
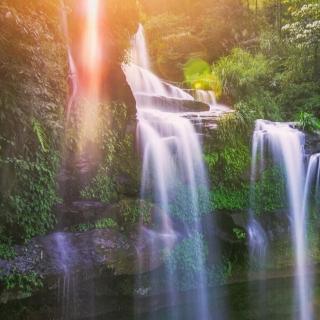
column 31, row 117
column 102, row 187
column 118, row 174
column 7, row 252
column 230, row 199
column 135, row 211
column 26, row 207
column 104, row 223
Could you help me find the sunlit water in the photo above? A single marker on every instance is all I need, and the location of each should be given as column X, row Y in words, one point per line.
column 172, row 160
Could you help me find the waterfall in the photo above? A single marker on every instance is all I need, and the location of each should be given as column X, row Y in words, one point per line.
column 206, row 96
column 172, row 164
column 286, row 145
column 312, row 180
column 144, row 83
column 258, row 241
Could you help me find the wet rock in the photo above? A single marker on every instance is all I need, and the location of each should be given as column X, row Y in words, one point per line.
column 126, row 213
column 312, row 143
column 171, row 104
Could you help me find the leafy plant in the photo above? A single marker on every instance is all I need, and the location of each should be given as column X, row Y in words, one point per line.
column 135, row 211
column 25, row 283
column 31, row 122
column 102, row 187
column 241, row 72
column 39, row 131
column 239, row 233
column 7, row 252
column 27, row 208
column 104, row 223
column 119, row 171
column 308, row 122
column 229, row 198
column 270, row 191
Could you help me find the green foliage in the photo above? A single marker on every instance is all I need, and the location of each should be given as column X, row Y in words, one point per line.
column 219, row 273
column 235, row 127
column 261, row 105
column 39, row 131
column 135, row 211
column 182, row 207
column 308, row 122
column 7, row 252
column 228, row 159
column 270, row 191
column 104, row 223
column 119, row 172
column 229, row 164
column 305, row 27
column 239, row 233
column 181, row 30
column 175, row 50
column 31, row 108
column 25, row 283
column 235, row 160
column 241, row 72
column 231, row 199
column 183, row 261
column 102, row 187
column 299, row 97
column 26, row 207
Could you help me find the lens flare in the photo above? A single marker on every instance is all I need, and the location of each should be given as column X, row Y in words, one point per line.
column 91, row 51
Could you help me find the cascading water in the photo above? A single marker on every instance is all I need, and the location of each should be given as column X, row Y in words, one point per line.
column 206, row 96
column 172, row 161
column 286, row 146
column 144, row 83
column 312, row 181
column 257, row 237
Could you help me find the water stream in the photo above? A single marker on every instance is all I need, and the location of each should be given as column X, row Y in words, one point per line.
column 172, row 163
column 286, row 146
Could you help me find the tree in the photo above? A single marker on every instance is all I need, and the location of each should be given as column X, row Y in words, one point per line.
column 304, row 30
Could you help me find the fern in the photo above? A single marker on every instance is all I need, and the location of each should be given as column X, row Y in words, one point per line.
column 41, row 135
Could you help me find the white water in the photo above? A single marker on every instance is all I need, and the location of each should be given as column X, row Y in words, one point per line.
column 142, row 80
column 312, row 180
column 172, row 159
column 286, row 145
column 258, row 241
column 206, row 96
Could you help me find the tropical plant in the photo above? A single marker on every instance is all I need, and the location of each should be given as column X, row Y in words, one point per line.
column 308, row 122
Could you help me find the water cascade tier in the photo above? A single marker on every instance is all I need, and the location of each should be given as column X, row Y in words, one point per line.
column 283, row 145
column 173, row 176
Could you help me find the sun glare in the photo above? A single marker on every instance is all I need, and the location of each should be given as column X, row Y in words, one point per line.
column 91, row 52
